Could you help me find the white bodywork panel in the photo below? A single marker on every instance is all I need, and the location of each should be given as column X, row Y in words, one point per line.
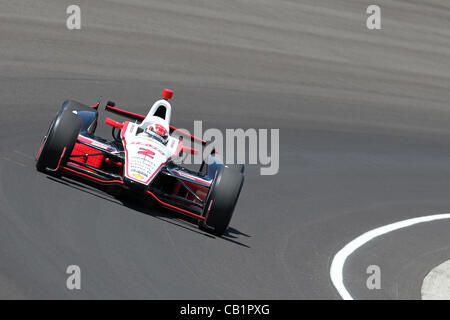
column 144, row 156
column 150, row 118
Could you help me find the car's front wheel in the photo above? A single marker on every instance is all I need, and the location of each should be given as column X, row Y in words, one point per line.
column 221, row 200
column 59, row 142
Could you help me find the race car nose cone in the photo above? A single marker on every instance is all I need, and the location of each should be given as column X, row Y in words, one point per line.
column 167, row 94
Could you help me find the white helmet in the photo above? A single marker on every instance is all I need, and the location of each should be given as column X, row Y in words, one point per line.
column 157, row 132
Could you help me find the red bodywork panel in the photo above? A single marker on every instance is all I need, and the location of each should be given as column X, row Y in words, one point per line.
column 114, row 123
column 94, row 161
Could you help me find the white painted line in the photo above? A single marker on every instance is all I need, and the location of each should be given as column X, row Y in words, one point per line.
column 337, row 265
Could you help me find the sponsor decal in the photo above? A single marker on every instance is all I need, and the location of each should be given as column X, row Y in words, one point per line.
column 138, row 176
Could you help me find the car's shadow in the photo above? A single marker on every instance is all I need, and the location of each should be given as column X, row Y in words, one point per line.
column 147, row 207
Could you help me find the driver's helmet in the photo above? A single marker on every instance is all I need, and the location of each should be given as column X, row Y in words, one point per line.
column 157, row 132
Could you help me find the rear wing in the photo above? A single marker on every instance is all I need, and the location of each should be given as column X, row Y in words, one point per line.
column 111, row 107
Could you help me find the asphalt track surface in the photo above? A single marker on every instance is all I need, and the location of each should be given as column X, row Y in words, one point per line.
column 364, row 141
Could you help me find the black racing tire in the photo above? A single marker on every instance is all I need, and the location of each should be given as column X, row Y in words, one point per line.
column 63, row 133
column 221, row 200
column 72, row 105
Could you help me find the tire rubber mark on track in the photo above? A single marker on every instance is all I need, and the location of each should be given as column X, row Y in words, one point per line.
column 337, row 265
column 13, row 161
column 23, row 154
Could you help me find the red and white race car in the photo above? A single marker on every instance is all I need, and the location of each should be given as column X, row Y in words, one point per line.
column 140, row 158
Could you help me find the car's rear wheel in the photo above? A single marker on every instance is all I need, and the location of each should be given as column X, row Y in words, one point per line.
column 59, row 142
column 221, row 200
